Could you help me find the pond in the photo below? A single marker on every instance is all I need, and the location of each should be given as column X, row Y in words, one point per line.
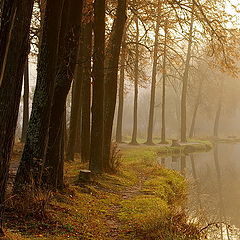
column 214, row 193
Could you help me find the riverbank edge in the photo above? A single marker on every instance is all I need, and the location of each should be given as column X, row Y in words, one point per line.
column 141, row 201
column 193, row 145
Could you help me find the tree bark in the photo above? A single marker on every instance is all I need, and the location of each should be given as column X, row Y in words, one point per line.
column 65, row 131
column 185, row 81
column 25, row 103
column 112, row 61
column 197, row 104
column 217, row 119
column 97, row 130
column 86, row 87
column 136, row 75
column 75, row 109
column 7, row 20
column 1, row 9
column 10, row 91
column 31, row 165
column 69, row 42
column 163, row 132
column 60, row 177
column 77, row 145
column 154, row 78
column 121, row 91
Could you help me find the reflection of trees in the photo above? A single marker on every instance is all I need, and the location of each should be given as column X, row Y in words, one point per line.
column 220, row 193
column 183, row 165
column 196, row 180
column 213, row 200
column 163, row 161
column 175, row 162
column 209, row 197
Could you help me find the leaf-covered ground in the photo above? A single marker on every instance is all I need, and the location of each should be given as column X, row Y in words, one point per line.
column 141, row 201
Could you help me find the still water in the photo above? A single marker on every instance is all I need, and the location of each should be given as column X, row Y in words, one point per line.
column 214, row 193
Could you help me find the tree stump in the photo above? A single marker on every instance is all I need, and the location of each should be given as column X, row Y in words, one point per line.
column 85, row 176
column 175, row 143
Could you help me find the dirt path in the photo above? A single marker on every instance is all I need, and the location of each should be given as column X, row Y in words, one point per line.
column 117, row 231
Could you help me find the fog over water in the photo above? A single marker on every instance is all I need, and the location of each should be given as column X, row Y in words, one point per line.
column 214, row 187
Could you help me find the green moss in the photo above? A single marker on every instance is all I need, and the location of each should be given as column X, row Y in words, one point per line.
column 133, row 153
column 142, row 201
column 143, row 212
column 167, row 185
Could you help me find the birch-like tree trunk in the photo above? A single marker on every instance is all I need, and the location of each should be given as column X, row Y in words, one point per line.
column 185, row 81
column 136, row 76
column 154, row 77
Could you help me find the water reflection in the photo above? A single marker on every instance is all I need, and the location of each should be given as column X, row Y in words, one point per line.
column 222, row 214
column 214, row 197
column 183, row 165
column 163, row 160
column 175, row 164
column 197, row 183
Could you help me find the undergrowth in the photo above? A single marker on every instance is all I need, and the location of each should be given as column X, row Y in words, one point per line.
column 141, row 200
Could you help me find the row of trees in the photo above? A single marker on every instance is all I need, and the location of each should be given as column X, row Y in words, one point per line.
column 178, row 38
column 81, row 46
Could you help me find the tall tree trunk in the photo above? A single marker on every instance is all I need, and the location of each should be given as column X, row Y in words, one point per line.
column 198, row 187
column 75, row 108
column 65, row 131
column 217, row 119
column 86, row 85
column 194, row 117
column 136, row 75
column 60, row 175
column 154, row 78
column 25, row 103
column 1, row 9
column 218, row 112
column 196, row 106
column 69, row 41
column 163, row 132
column 112, row 61
column 185, row 82
column 7, row 20
column 10, row 91
column 121, row 91
column 177, row 103
column 77, row 145
column 97, row 130
column 30, row 169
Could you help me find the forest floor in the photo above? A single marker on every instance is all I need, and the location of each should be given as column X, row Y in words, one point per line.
column 142, row 200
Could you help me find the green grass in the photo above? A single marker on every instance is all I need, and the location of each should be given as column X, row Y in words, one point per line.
column 193, row 145
column 142, row 201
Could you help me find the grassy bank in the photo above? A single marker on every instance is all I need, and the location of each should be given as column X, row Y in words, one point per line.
column 193, row 145
column 226, row 140
column 141, row 201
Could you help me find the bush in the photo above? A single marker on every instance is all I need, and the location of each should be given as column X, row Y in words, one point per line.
column 30, row 202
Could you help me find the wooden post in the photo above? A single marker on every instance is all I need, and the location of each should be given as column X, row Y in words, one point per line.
column 85, row 176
